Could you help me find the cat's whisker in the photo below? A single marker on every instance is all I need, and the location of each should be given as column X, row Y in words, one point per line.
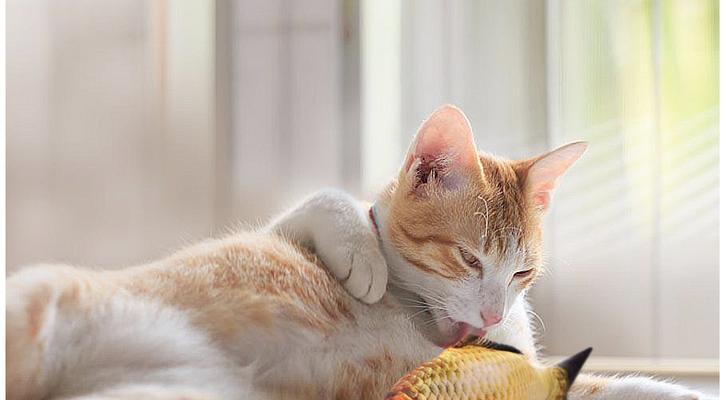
column 428, row 321
column 425, row 306
column 412, row 316
column 414, row 303
column 431, row 295
column 538, row 318
column 414, row 286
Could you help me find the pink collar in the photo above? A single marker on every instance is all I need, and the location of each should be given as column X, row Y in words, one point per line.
column 372, row 216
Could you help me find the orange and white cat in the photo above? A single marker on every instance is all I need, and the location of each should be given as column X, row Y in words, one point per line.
column 448, row 249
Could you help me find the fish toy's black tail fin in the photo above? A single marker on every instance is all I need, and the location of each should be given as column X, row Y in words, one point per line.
column 573, row 365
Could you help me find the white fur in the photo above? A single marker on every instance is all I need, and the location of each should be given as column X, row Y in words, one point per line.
column 132, row 342
column 122, row 345
column 336, row 226
column 642, row 388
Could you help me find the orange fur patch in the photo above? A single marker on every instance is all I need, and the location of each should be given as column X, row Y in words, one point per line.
column 36, row 309
column 246, row 279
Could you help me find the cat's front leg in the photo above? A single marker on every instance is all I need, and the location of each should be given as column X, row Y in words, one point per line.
column 337, row 227
column 591, row 387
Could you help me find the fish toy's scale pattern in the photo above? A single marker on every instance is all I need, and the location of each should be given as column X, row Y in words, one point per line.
column 490, row 372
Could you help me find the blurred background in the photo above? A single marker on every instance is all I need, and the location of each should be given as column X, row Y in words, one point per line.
column 135, row 127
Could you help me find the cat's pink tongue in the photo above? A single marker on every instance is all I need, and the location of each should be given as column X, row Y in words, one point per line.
column 461, row 331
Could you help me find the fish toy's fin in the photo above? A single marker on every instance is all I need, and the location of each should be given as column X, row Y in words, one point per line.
column 573, row 365
column 477, row 341
column 500, row 347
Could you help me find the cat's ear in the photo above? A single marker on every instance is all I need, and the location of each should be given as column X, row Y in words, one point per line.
column 545, row 171
column 443, row 151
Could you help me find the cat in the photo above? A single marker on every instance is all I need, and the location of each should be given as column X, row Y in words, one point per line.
column 334, row 299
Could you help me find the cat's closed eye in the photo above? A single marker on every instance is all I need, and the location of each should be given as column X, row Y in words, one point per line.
column 470, row 259
column 523, row 274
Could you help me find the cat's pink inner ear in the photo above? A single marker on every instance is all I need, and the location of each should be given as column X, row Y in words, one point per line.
column 445, row 135
column 544, row 173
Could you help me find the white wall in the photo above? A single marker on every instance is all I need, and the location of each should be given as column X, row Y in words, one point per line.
column 110, row 155
column 287, row 126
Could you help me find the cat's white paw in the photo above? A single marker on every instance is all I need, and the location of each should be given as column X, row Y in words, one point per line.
column 368, row 274
column 354, row 258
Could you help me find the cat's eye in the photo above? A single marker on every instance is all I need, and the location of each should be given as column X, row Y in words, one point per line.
column 470, row 259
column 523, row 274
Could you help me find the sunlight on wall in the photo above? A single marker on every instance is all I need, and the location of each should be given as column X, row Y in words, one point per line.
column 381, row 91
column 638, row 217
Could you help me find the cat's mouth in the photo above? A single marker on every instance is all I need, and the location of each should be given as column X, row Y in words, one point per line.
column 446, row 332
column 458, row 332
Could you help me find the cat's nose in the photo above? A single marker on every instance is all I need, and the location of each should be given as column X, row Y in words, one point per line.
column 490, row 318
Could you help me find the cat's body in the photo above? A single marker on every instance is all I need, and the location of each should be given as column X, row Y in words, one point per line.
column 211, row 320
column 258, row 315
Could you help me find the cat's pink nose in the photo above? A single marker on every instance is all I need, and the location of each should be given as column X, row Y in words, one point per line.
column 490, row 318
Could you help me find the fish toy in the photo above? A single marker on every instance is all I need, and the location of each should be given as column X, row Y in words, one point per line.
column 487, row 371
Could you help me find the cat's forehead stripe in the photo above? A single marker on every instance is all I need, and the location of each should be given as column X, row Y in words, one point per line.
column 425, row 268
column 426, row 238
column 438, row 252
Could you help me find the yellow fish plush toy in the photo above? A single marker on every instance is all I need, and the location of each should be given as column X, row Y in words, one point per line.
column 488, row 371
